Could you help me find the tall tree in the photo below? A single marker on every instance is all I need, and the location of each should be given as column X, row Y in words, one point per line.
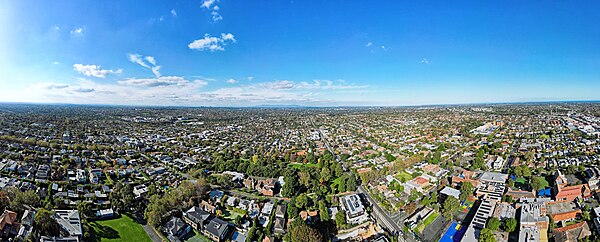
column 303, row 233
column 510, row 225
column 466, row 190
column 450, row 207
column 340, row 220
column 45, row 224
column 323, row 211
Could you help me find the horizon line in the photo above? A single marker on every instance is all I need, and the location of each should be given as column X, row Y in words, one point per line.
column 308, row 106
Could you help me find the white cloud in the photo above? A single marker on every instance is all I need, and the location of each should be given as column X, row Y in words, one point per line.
column 278, row 85
column 212, row 43
column 425, row 61
column 208, row 3
column 162, row 82
column 178, row 90
column 173, row 13
column 84, row 90
column 250, row 78
column 151, row 60
column 227, row 36
column 369, row 44
column 136, row 58
column 52, row 86
column 77, row 31
column 329, row 85
column 55, row 63
column 214, row 9
column 314, row 85
column 147, row 62
column 94, row 70
column 232, row 81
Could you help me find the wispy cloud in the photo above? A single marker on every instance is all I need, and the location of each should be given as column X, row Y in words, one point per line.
column 314, row 85
column 76, row 31
column 145, row 61
column 173, row 13
column 94, row 70
column 52, row 86
column 179, row 90
column 212, row 43
column 212, row 6
column 373, row 47
column 425, row 61
column 163, row 82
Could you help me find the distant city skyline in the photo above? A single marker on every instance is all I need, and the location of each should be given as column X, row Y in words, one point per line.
column 306, row 53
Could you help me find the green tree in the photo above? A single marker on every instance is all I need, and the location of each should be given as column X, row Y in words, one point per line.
column 536, row 183
column 466, row 190
column 301, row 201
column 290, row 188
column 351, row 183
column 325, row 175
column 585, row 215
column 340, row 220
column 323, row 211
column 510, row 225
column 305, row 179
column 303, row 233
column 21, row 199
column 486, row 235
column 493, row 224
column 83, row 208
column 45, row 224
column 450, row 207
column 292, row 210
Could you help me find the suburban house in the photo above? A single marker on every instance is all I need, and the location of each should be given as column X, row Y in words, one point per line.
column 197, row 218
column 8, row 223
column 176, row 229
column 573, row 232
column 564, row 192
column 216, row 230
column 69, row 222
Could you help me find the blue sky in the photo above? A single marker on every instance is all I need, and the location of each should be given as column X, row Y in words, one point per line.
column 322, row 53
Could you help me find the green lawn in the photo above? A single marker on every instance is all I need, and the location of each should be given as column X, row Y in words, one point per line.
column 426, row 222
column 403, row 176
column 230, row 215
column 197, row 238
column 121, row 229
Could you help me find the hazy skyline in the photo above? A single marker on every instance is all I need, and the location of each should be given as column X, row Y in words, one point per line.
column 326, row 53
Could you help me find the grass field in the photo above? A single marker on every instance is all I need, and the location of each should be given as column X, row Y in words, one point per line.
column 403, row 177
column 427, row 222
column 121, row 229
